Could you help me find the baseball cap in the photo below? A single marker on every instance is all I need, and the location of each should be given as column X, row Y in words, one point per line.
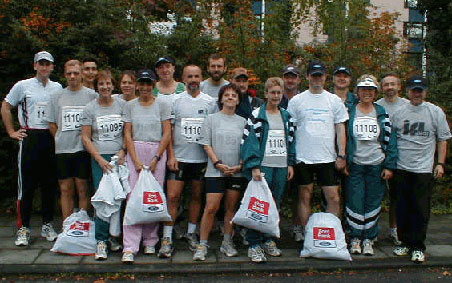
column 342, row 69
column 43, row 55
column 417, row 81
column 164, row 59
column 316, row 67
column 239, row 72
column 291, row 69
column 146, row 75
column 367, row 82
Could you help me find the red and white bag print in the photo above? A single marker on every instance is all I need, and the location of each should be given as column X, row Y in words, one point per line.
column 324, row 238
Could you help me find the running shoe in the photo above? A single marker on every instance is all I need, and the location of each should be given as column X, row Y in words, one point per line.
column 256, row 254
column 270, row 248
column 394, row 237
column 114, row 244
column 368, row 247
column 417, row 256
column 355, row 247
column 298, row 233
column 228, row 249
column 401, row 251
column 149, row 250
column 48, row 232
column 22, row 236
column 101, row 251
column 192, row 240
column 200, row 253
column 166, row 248
column 127, row 257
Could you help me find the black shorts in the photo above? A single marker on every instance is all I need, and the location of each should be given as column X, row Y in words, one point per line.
column 189, row 172
column 73, row 165
column 221, row 184
column 326, row 174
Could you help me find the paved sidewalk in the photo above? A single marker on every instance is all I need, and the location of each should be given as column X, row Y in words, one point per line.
column 37, row 258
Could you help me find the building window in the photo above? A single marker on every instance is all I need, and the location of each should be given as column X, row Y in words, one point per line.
column 413, row 30
column 412, row 4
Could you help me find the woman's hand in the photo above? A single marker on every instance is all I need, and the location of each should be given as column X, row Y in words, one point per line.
column 386, row 174
column 121, row 157
column 173, row 164
column 256, row 172
column 104, row 165
column 153, row 164
column 289, row 173
column 138, row 165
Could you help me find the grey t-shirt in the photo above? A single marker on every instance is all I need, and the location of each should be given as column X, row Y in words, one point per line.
column 66, row 110
column 366, row 131
column 275, row 147
column 211, row 89
column 188, row 116
column 147, row 120
column 223, row 133
column 418, row 129
column 106, row 125
column 391, row 107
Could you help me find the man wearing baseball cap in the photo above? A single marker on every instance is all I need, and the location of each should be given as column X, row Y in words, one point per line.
column 36, row 145
column 421, row 128
column 319, row 118
column 291, row 77
column 248, row 102
column 342, row 78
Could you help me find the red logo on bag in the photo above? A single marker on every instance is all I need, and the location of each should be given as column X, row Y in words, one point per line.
column 81, row 226
column 321, row 233
column 258, row 206
column 152, row 198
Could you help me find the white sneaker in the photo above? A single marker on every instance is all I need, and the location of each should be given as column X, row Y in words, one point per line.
column 417, row 256
column 394, row 237
column 227, row 247
column 368, row 247
column 48, row 232
column 166, row 248
column 22, row 236
column 200, row 253
column 256, row 254
column 127, row 257
column 101, row 251
column 149, row 250
column 401, row 251
column 192, row 240
column 243, row 235
column 298, row 233
column 355, row 247
column 114, row 245
column 270, row 248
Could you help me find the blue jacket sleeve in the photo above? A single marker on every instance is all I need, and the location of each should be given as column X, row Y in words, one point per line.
column 391, row 152
column 250, row 149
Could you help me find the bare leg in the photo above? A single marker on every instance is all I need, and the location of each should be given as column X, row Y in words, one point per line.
column 213, row 201
column 305, row 202
column 195, row 202
column 232, row 199
column 174, row 190
column 67, row 196
column 82, row 192
column 333, row 199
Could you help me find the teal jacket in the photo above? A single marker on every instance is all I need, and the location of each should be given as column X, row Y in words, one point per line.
column 387, row 137
column 255, row 137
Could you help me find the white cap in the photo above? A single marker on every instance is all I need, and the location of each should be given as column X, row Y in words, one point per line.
column 43, row 55
column 367, row 82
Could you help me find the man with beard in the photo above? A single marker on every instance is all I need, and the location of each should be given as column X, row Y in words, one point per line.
column 342, row 78
column 187, row 159
column 89, row 72
column 216, row 68
column 248, row 102
column 390, row 86
column 291, row 78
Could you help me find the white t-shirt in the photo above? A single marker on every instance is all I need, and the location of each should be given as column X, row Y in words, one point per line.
column 315, row 117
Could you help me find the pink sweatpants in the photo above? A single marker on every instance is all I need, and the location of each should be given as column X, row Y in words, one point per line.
column 133, row 233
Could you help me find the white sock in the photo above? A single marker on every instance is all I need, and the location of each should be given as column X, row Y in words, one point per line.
column 227, row 237
column 394, row 230
column 168, row 232
column 191, row 228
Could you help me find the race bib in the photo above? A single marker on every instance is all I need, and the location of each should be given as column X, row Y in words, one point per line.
column 109, row 127
column 39, row 113
column 324, row 237
column 191, row 128
column 78, row 229
column 71, row 117
column 258, row 210
column 366, row 128
column 153, row 202
column 276, row 143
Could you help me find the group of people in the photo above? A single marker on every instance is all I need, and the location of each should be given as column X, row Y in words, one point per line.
column 218, row 135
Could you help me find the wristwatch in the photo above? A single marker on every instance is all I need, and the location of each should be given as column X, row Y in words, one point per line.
column 344, row 157
column 158, row 157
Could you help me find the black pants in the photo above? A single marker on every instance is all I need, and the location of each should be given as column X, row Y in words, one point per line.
column 414, row 191
column 37, row 167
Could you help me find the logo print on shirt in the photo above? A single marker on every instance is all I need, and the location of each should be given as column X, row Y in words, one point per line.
column 415, row 129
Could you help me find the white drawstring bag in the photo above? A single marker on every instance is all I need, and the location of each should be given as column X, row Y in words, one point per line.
column 324, row 238
column 147, row 202
column 258, row 210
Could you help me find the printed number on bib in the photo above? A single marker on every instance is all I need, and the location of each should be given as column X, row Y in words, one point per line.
column 324, row 237
column 191, row 128
column 78, row 229
column 366, row 128
column 258, row 210
column 109, row 127
column 153, row 202
column 71, row 117
column 276, row 143
column 39, row 113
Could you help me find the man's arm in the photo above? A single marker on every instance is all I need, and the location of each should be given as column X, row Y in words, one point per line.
column 441, row 148
column 53, row 128
column 7, row 118
column 341, row 141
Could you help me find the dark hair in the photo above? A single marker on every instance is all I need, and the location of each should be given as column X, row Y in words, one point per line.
column 104, row 74
column 223, row 90
column 129, row 73
column 391, row 75
column 216, row 57
column 90, row 59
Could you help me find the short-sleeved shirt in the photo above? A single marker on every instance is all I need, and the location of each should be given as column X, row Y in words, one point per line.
column 223, row 133
column 366, row 131
column 188, row 114
column 391, row 107
column 275, row 154
column 147, row 120
column 32, row 98
column 418, row 129
column 211, row 89
column 180, row 87
column 106, row 125
column 66, row 110
column 315, row 117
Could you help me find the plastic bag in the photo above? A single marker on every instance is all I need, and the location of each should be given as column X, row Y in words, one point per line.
column 109, row 196
column 147, row 202
column 77, row 237
column 258, row 210
column 123, row 173
column 324, row 238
